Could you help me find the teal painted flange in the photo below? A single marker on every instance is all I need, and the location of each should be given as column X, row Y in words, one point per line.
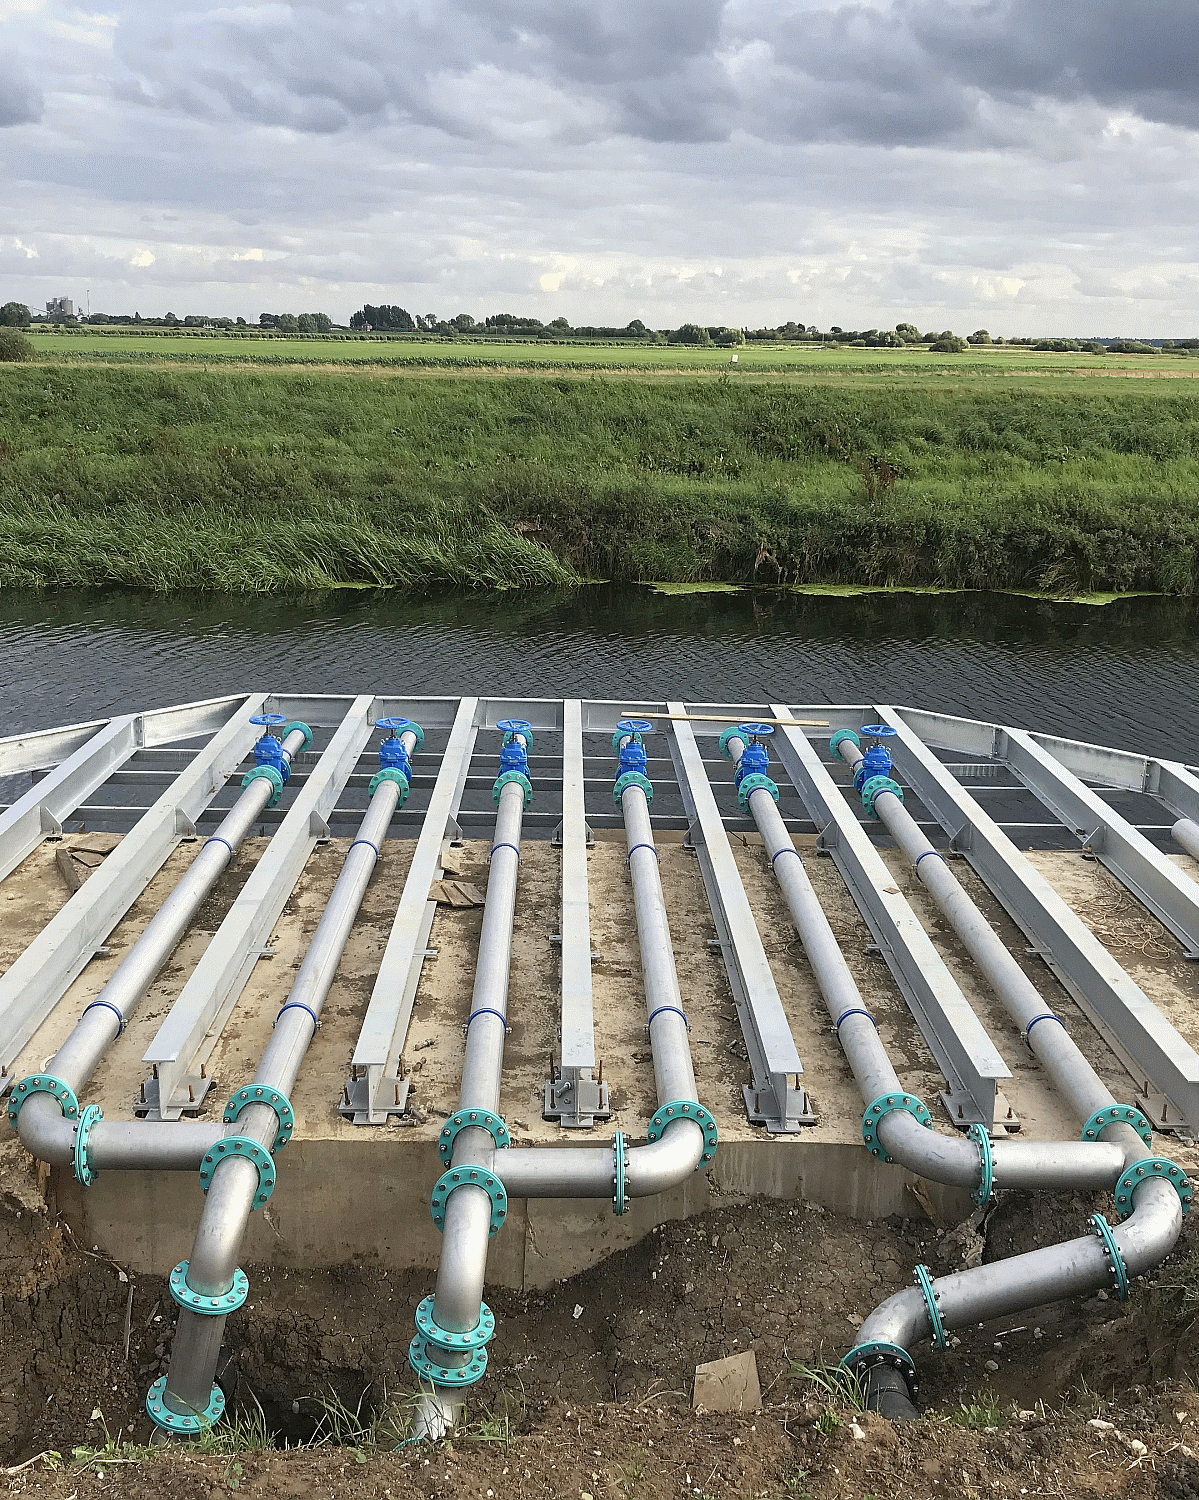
column 438, row 1374
column 863, row 1357
column 986, row 1161
column 632, row 778
column 1117, row 1114
column 505, row 778
column 390, row 773
column 1119, row 1270
column 183, row 1424
column 620, row 1158
column 471, row 1119
column 276, row 1099
column 43, row 1083
column 686, row 1109
column 209, row 1307
column 299, row 724
column 925, row 1282
column 840, row 737
column 874, row 786
column 441, row 1338
column 1149, row 1169
column 733, row 732
column 622, row 735
column 266, row 773
column 84, row 1173
column 874, row 1114
column 469, row 1176
column 230, row 1147
column 751, row 784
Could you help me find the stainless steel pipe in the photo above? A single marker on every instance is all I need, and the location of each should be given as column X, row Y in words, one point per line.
column 1186, row 834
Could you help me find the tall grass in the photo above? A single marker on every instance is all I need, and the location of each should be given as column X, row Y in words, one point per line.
column 262, row 479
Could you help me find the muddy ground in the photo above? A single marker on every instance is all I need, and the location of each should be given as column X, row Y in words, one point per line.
column 590, row 1382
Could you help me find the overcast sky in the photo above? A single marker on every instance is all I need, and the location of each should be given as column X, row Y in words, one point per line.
column 1028, row 166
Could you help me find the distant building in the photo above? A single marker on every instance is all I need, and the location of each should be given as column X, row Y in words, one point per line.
column 60, row 307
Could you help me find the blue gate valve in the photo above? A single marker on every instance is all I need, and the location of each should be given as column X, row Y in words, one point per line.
column 514, row 757
column 268, row 750
column 632, row 757
column 875, row 762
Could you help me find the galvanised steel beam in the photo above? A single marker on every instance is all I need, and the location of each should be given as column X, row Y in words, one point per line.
column 376, row 1087
column 40, row 812
column 775, row 1098
column 972, row 1067
column 42, row 748
column 38, row 979
column 1161, row 1063
column 216, row 983
column 574, row 1097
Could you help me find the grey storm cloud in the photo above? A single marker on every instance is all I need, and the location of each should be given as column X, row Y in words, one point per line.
column 20, row 99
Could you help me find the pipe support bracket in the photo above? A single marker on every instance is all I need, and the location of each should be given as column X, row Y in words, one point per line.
column 1152, row 1169
column 209, row 1307
column 874, row 1114
column 43, row 1083
column 229, row 1148
column 1117, row 1114
column 685, row 1109
column 275, row 1099
column 183, row 1424
column 472, row 1119
column 85, row 1174
column 469, row 1176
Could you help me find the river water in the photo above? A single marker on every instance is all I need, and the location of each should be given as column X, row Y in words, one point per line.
column 1119, row 674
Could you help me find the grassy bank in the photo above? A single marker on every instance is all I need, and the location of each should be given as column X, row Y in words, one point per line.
column 264, row 478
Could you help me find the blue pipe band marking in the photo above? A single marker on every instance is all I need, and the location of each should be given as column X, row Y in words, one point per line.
column 240, row 1148
column 1119, row 1270
column 209, row 1307
column 472, row 1119
column 685, row 1109
column 628, row 859
column 986, row 1164
column 925, row 1282
column 786, row 849
column 1152, row 1169
column 271, row 1098
column 368, row 844
column 875, row 1113
column 186, row 1424
column 936, row 854
column 858, row 1011
column 43, row 1083
column 432, row 1373
column 1117, row 1114
column 217, row 839
column 299, row 1005
column 1047, row 1015
column 85, row 1173
column 663, row 1010
column 620, row 1162
column 107, row 1005
column 494, row 847
column 442, row 1338
column 486, row 1010
column 863, row 1357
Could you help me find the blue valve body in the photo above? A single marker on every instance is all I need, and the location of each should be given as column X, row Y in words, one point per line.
column 875, row 762
column 514, row 757
column 392, row 754
column 632, row 757
column 268, row 751
column 754, row 762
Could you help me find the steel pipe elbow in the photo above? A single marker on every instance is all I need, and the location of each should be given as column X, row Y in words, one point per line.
column 663, row 1164
column 902, row 1319
column 45, row 1132
column 940, row 1158
column 1149, row 1233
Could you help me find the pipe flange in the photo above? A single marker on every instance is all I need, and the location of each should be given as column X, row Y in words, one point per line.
column 390, row 773
column 276, row 1099
column 874, row 786
column 864, row 1357
column 874, row 1114
column 630, row 779
column 733, row 732
column 506, row 778
column 1149, row 1169
column 183, row 1424
column 404, row 726
column 925, row 1282
column 1117, row 1114
column 441, row 1338
column 756, row 782
column 43, row 1083
column 231, row 1147
column 620, row 1161
column 469, row 1176
column 686, row 1109
column 266, row 773
column 84, row 1173
column 209, row 1307
column 436, row 1373
column 471, row 1119
column 1119, row 1270
column 513, row 727
column 292, row 727
column 840, row 737
column 986, row 1165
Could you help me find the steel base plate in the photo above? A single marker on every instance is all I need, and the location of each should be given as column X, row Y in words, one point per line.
column 392, row 1099
column 186, row 1100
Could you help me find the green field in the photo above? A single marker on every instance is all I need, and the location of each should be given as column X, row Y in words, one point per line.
column 268, row 476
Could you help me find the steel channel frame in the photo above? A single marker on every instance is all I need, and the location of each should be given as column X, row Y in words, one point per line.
column 1163, row 1066
column 967, row 1057
column 775, row 1098
column 215, row 985
column 36, row 981
column 574, row 1097
column 377, row 1087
